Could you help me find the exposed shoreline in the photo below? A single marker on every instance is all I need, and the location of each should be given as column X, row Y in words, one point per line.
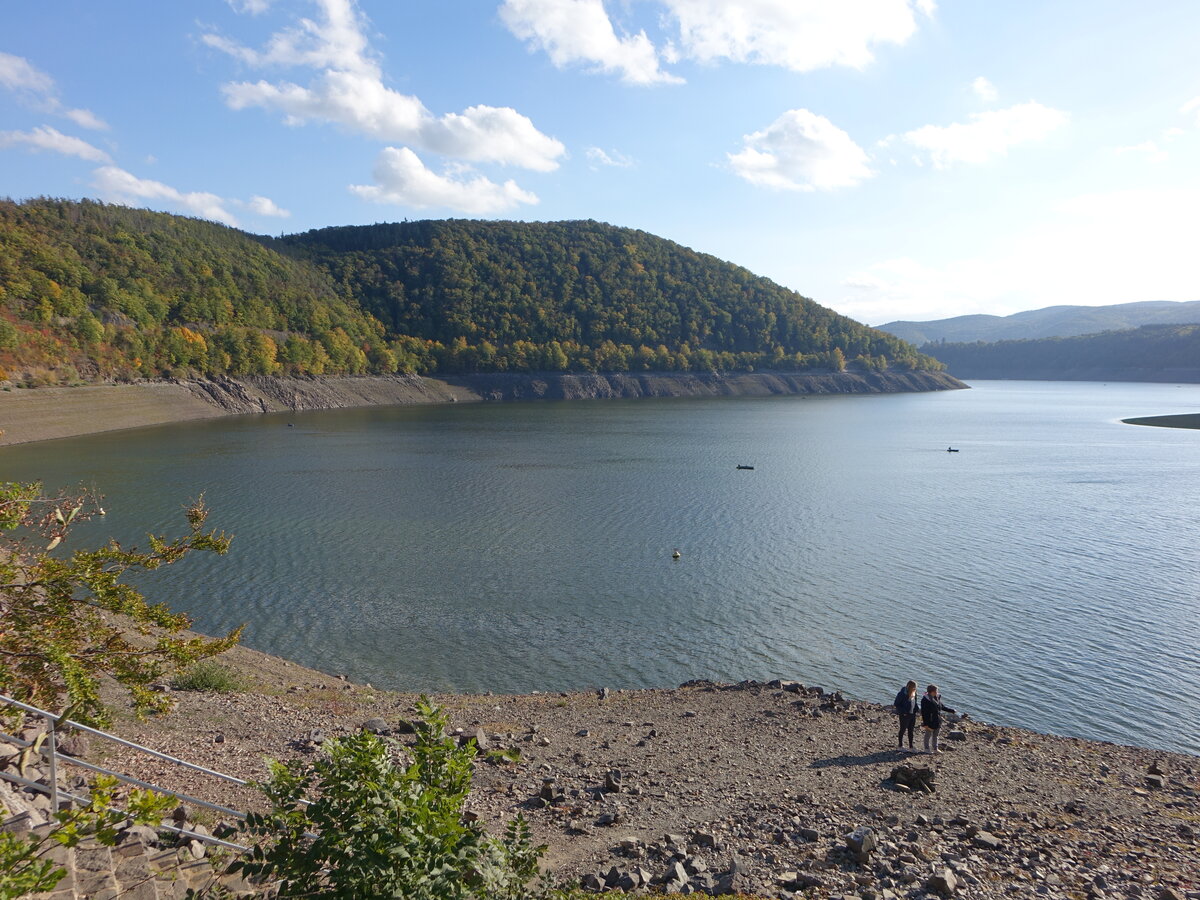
column 38, row 414
column 764, row 779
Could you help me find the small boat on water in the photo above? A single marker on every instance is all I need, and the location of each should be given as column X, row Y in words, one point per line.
column 951, row 449
column 751, row 468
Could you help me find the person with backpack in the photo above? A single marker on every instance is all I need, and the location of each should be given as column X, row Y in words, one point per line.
column 907, row 705
column 931, row 717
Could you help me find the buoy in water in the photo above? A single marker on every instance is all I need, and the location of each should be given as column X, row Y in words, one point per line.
column 676, row 555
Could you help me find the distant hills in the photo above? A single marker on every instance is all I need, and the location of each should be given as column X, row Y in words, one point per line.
column 91, row 291
column 1164, row 353
column 1052, row 321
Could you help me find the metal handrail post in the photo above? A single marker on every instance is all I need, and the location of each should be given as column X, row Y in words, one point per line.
column 50, row 739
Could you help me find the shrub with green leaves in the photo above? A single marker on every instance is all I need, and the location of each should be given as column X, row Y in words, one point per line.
column 378, row 828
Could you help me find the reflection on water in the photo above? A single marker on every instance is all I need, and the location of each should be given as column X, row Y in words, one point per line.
column 1046, row 575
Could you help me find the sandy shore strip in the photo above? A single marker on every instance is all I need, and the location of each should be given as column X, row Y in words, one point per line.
column 42, row 414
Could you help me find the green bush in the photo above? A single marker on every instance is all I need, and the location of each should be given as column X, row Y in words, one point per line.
column 382, row 829
column 208, row 675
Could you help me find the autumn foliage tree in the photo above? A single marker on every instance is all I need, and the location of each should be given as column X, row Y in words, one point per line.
column 68, row 620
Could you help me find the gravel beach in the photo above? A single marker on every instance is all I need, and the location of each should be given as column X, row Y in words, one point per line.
column 767, row 789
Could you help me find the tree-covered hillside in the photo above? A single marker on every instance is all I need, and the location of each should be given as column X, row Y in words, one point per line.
column 1149, row 353
column 93, row 291
column 526, row 295
column 90, row 291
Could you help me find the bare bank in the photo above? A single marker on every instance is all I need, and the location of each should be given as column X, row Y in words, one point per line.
column 40, row 414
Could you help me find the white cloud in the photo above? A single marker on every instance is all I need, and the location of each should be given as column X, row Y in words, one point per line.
column 610, row 158
column 37, row 88
column 1192, row 107
column 801, row 35
column 348, row 90
column 1149, row 149
column 253, row 7
column 264, row 206
column 17, row 74
column 46, row 138
column 801, row 151
column 580, row 31
column 984, row 89
column 119, row 186
column 988, row 134
column 1094, row 249
column 403, row 180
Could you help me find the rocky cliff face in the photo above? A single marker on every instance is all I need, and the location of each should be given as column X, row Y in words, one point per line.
column 276, row 394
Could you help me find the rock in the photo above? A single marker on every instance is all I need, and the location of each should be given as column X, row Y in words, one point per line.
column 916, row 779
column 1155, row 781
column 943, row 882
column 481, row 740
column 987, row 841
column 704, row 839
column 956, row 735
column 675, row 876
column 809, row 834
column 592, row 882
column 180, row 815
column 376, row 726
column 142, row 834
column 612, row 781
column 861, row 842
column 582, row 732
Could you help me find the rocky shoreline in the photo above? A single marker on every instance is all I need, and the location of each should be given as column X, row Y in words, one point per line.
column 764, row 789
column 36, row 414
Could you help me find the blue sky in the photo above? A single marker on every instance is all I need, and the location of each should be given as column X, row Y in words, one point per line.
column 888, row 158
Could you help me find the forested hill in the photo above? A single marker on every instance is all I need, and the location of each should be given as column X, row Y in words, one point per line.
column 1150, row 353
column 605, row 297
column 90, row 291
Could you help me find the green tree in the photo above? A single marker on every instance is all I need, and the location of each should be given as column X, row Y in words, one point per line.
column 68, row 621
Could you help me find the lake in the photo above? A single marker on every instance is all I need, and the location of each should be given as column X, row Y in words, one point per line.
column 1046, row 575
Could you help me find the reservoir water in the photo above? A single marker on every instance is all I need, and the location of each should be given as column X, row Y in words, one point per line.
column 1046, row 575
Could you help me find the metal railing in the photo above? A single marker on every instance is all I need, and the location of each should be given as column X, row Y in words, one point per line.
column 54, row 757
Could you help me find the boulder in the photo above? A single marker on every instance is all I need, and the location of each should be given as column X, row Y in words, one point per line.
column 376, row 726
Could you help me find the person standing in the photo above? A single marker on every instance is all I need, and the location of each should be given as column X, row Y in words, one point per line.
column 907, row 705
column 932, row 708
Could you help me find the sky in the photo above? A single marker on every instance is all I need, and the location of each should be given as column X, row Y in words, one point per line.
column 890, row 159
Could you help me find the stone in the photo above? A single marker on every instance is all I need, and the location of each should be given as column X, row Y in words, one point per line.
column 956, row 735
column 612, row 781
column 810, row 834
column 916, row 779
column 943, row 882
column 592, row 882
column 704, row 839
column 376, row 726
column 987, row 841
column 141, row 834
column 1155, row 781
column 861, row 842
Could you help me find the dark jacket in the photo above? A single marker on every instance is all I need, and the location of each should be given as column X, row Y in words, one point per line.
column 931, row 711
column 905, row 705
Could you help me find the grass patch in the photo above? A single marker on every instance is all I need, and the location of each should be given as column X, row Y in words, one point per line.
column 208, row 675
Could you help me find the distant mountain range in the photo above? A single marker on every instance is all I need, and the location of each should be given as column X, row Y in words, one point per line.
column 1163, row 353
column 1052, row 321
